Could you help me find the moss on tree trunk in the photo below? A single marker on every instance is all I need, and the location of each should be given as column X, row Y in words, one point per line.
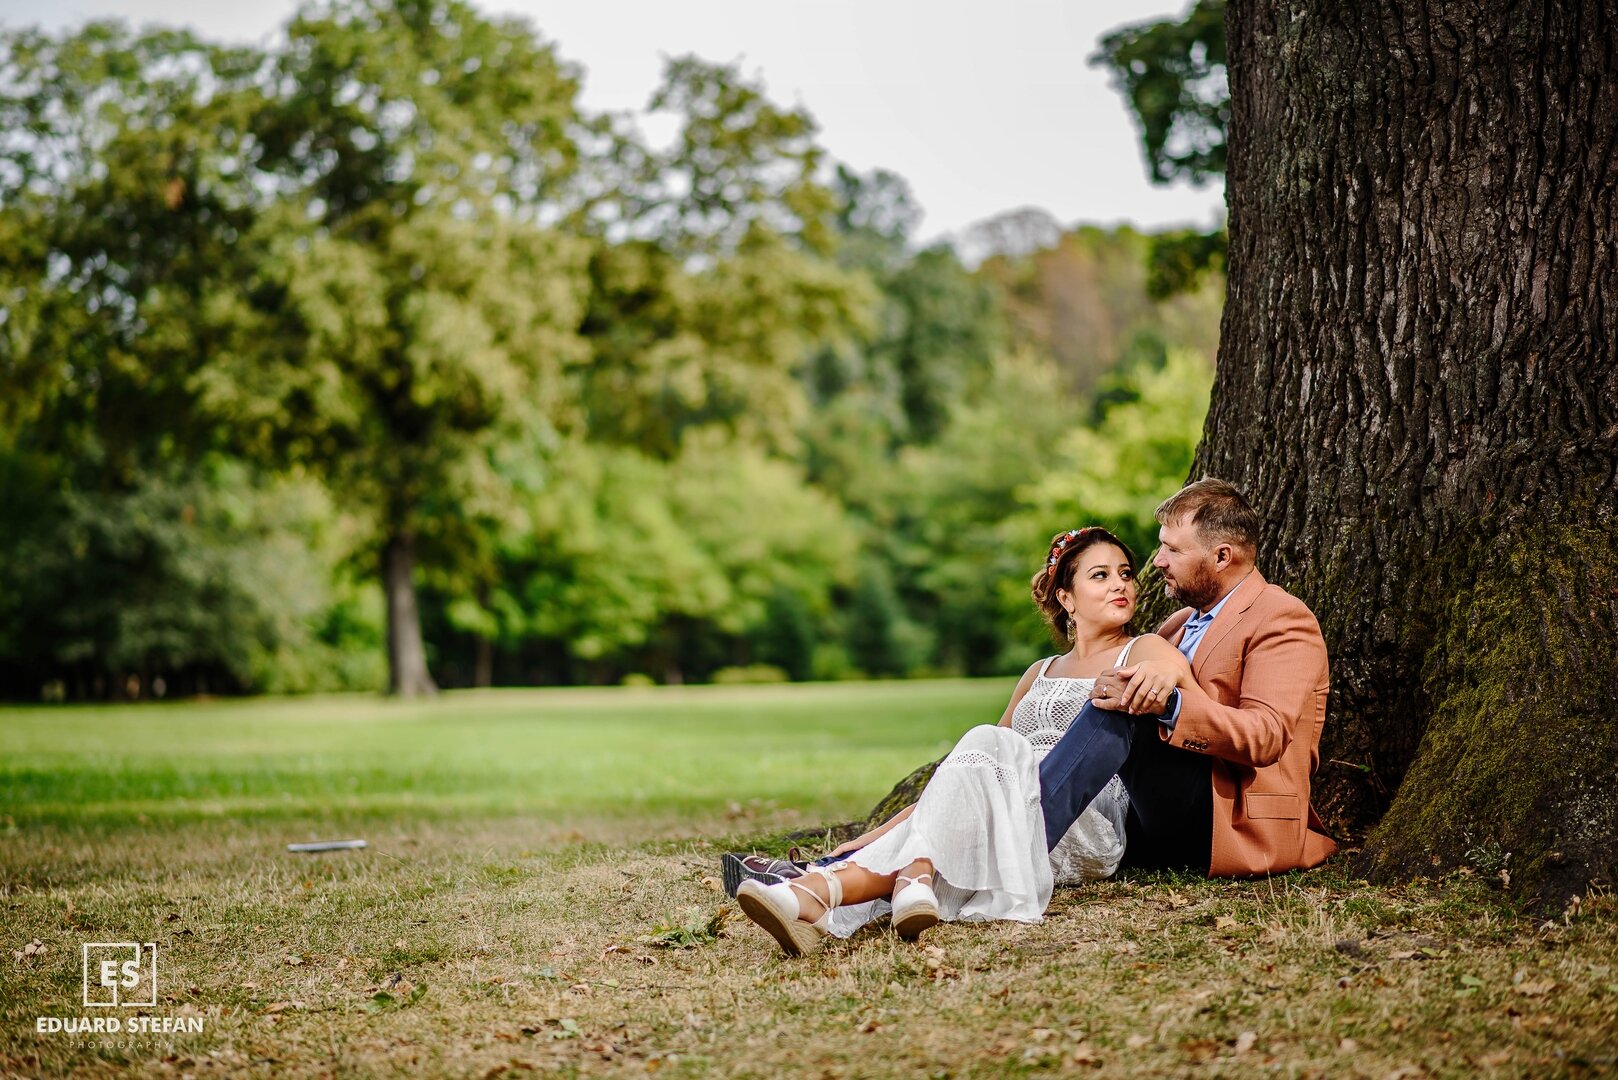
column 1518, row 772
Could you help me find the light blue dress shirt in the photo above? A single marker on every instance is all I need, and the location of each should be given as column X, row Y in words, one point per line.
column 1195, row 627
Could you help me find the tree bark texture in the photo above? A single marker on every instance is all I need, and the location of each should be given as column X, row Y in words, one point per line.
column 1417, row 387
column 407, row 657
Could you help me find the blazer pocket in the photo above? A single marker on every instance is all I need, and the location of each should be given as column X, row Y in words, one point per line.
column 1272, row 805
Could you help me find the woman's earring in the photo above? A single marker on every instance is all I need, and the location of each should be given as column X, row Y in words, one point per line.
column 1072, row 629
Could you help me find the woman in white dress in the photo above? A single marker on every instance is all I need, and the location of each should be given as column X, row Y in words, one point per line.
column 973, row 846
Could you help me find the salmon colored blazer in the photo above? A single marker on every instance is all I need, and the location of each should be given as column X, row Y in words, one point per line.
column 1257, row 710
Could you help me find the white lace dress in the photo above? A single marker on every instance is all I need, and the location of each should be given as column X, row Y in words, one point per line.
column 979, row 819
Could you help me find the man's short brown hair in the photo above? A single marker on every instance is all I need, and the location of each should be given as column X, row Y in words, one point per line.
column 1218, row 509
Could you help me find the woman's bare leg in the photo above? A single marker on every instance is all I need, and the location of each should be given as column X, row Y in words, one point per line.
column 921, row 868
column 859, row 885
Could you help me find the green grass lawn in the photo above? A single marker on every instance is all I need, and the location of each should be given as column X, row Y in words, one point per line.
column 539, row 896
column 823, row 751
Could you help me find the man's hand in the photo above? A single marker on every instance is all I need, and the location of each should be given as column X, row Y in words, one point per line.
column 1108, row 692
column 1146, row 686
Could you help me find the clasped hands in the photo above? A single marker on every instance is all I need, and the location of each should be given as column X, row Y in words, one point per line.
column 1138, row 689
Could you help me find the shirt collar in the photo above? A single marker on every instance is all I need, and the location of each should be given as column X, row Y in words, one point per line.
column 1208, row 616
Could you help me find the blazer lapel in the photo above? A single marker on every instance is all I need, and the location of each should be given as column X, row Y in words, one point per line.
column 1229, row 615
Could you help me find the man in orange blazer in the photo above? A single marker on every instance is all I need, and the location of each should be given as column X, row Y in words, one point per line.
column 1217, row 759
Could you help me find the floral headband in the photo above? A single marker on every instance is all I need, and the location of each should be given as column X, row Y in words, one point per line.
column 1061, row 544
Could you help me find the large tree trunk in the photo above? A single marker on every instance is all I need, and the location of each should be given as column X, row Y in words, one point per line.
column 1417, row 387
column 407, row 658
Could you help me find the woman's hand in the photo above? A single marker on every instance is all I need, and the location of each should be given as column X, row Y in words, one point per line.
column 1147, row 684
column 851, row 845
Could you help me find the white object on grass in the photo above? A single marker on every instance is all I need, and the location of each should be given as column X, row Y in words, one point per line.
column 327, row 845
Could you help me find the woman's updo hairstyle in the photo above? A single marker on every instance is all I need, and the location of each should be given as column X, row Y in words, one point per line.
column 1057, row 573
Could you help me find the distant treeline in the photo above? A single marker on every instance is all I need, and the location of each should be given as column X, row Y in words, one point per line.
column 371, row 354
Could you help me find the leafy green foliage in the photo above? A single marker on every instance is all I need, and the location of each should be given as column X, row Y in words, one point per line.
column 380, row 305
column 1178, row 261
column 1136, row 456
column 210, row 578
column 1173, row 75
column 121, row 197
column 693, row 928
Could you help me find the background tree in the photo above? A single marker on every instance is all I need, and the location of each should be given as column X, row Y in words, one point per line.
column 1173, row 75
column 712, row 283
column 1086, row 300
column 1417, row 385
column 407, row 307
column 135, row 553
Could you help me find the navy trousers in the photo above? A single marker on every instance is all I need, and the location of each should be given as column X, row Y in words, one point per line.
column 1170, row 822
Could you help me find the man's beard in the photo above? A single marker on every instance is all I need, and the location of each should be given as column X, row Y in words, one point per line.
column 1198, row 591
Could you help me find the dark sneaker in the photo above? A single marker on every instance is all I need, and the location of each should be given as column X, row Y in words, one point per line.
column 737, row 868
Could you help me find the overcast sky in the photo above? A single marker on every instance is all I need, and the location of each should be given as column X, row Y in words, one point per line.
column 982, row 107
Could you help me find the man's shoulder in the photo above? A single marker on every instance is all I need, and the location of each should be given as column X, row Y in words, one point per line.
column 1275, row 603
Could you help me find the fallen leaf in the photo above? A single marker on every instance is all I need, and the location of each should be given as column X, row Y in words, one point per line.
column 1347, row 1046
column 867, row 1027
column 1200, row 1049
column 1085, row 1054
column 713, row 883
column 1225, row 922
column 294, row 961
column 1135, row 1042
column 1245, row 1041
column 1535, row 989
